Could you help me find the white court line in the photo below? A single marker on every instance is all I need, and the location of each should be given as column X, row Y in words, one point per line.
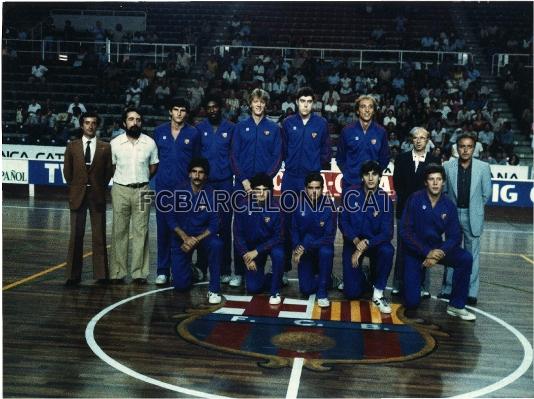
column 522, row 369
column 90, row 338
column 509, row 231
column 298, row 362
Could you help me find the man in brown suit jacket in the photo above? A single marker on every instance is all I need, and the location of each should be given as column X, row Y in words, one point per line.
column 87, row 170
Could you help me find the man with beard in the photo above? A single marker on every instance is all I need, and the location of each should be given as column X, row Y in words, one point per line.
column 407, row 179
column 258, row 232
column 307, row 149
column 313, row 232
column 363, row 140
column 215, row 138
column 195, row 224
column 256, row 148
column 428, row 216
column 178, row 142
column 87, row 171
column 135, row 159
column 367, row 226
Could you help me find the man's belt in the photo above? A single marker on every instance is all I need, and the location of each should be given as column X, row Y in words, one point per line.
column 133, row 185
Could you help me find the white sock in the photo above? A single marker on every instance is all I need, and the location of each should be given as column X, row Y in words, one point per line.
column 377, row 294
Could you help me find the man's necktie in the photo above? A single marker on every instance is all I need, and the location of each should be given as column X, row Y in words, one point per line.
column 88, row 154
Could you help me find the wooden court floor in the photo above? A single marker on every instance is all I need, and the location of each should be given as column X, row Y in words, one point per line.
column 130, row 341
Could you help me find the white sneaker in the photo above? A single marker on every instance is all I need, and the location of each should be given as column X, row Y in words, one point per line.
column 161, row 279
column 214, row 298
column 285, row 279
column 225, row 278
column 382, row 305
column 461, row 313
column 275, row 300
column 236, row 281
column 323, row 302
column 341, row 286
column 425, row 294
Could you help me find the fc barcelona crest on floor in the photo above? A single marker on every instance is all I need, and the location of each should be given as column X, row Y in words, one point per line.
column 346, row 332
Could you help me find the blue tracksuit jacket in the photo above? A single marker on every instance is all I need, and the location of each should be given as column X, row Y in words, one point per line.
column 215, row 147
column 306, row 147
column 355, row 147
column 313, row 229
column 256, row 148
column 175, row 155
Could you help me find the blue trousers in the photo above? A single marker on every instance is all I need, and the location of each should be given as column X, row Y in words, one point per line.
column 182, row 262
column 295, row 184
column 458, row 258
column 225, row 232
column 381, row 260
column 257, row 280
column 315, row 270
column 164, row 237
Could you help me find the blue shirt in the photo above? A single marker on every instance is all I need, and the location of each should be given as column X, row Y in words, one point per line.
column 312, row 228
column 307, row 147
column 199, row 217
column 422, row 226
column 259, row 230
column 215, row 147
column 175, row 155
column 355, row 147
column 368, row 218
column 256, row 148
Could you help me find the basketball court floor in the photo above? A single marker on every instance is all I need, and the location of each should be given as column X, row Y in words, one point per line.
column 149, row 341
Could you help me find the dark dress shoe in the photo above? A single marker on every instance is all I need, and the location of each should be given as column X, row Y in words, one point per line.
column 444, row 296
column 71, row 282
column 140, row 281
column 116, row 281
column 471, row 300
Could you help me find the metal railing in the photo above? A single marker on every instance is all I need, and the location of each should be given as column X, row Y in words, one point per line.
column 500, row 60
column 358, row 56
column 111, row 50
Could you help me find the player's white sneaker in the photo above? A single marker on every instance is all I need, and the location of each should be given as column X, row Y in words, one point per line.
column 285, row 279
column 214, row 298
column 161, row 279
column 275, row 300
column 323, row 302
column 236, row 281
column 226, row 278
column 461, row 313
column 382, row 305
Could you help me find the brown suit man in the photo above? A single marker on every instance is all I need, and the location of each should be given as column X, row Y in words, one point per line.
column 87, row 190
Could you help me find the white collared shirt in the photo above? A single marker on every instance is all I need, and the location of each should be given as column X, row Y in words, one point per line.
column 92, row 146
column 418, row 158
column 132, row 159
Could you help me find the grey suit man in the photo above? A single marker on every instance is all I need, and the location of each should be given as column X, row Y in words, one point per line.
column 469, row 187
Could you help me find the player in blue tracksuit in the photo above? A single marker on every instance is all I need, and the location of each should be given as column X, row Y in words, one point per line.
column 257, row 147
column 178, row 142
column 258, row 232
column 313, row 232
column 215, row 138
column 367, row 226
column 195, row 224
column 428, row 214
column 363, row 140
column 256, row 144
column 306, row 149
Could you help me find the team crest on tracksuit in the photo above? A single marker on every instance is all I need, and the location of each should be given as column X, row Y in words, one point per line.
column 314, row 135
column 186, row 141
column 267, row 219
column 443, row 216
column 346, row 332
column 373, row 141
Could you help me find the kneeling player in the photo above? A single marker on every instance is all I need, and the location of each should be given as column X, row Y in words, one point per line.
column 313, row 232
column 367, row 226
column 428, row 215
column 196, row 228
column 258, row 232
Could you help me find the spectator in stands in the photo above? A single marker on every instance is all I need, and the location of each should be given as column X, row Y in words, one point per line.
column 393, row 140
column 68, row 31
column 76, row 103
column 346, row 84
column 331, row 93
column 38, row 73
column 231, row 106
column 133, row 94
column 230, row 78
column 197, row 93
column 79, row 60
column 143, row 83
column 212, row 67
column 438, row 133
column 183, row 60
column 389, row 118
column 118, row 35
column 486, row 136
column 20, row 117
column 398, row 83
column 289, row 103
column 407, row 144
column 513, row 160
column 333, row 79
column 464, row 115
column 115, row 129
column 330, row 110
column 400, row 98
column 427, row 43
column 496, row 121
column 378, row 35
column 162, row 93
column 345, row 117
column 505, row 137
column 33, row 107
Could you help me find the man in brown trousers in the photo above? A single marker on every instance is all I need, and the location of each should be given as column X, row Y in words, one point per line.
column 87, row 170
